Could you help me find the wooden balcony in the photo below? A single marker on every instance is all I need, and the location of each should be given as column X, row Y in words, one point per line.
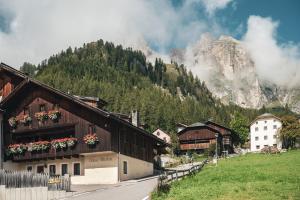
column 59, row 154
column 194, row 146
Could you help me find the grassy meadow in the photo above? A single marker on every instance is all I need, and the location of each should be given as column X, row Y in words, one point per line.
column 253, row 177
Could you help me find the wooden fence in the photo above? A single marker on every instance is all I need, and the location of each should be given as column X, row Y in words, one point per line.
column 169, row 175
column 25, row 179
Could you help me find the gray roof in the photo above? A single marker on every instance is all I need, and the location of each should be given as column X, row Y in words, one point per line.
column 197, row 124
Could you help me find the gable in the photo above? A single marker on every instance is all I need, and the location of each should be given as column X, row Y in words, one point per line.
column 198, row 133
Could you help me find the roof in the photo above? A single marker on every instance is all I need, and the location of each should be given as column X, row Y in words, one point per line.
column 196, row 124
column 265, row 116
column 97, row 99
column 28, row 80
column 159, row 129
column 219, row 125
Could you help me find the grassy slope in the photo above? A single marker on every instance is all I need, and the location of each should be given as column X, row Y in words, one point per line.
column 254, row 176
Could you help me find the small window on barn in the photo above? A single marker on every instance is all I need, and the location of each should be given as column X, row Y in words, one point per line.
column 265, row 122
column 265, row 137
column 125, row 167
column 92, row 128
column 274, row 145
column 257, row 146
column 274, row 126
column 266, row 145
column 256, row 128
column 274, row 136
column 265, row 128
column 42, row 107
column 157, row 133
column 55, row 106
column 165, row 139
column 256, row 122
column 256, row 138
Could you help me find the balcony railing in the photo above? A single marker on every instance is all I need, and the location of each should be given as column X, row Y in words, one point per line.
column 52, row 153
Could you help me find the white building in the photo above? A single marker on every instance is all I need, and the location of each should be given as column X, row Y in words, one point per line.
column 162, row 135
column 264, row 131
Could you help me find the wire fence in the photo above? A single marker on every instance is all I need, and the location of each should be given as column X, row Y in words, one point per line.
column 24, row 179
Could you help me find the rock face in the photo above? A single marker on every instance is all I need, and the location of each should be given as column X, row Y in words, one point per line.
column 230, row 74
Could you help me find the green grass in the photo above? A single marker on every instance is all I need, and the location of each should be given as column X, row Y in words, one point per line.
column 253, row 176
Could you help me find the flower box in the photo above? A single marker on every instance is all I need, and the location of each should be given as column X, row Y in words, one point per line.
column 38, row 146
column 54, row 115
column 26, row 119
column 16, row 149
column 91, row 139
column 41, row 116
column 13, row 122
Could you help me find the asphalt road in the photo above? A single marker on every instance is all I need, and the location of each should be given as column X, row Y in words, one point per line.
column 131, row 190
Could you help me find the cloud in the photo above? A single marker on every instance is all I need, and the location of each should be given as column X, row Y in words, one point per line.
column 275, row 63
column 36, row 29
column 211, row 6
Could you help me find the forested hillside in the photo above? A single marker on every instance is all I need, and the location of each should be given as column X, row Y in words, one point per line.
column 164, row 94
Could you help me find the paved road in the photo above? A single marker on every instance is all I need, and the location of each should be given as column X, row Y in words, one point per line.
column 130, row 190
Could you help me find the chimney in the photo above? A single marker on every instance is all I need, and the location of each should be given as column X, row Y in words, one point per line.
column 135, row 118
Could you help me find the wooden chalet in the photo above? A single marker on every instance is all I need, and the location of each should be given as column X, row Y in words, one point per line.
column 199, row 136
column 46, row 130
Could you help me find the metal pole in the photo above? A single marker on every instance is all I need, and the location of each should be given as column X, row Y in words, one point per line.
column 216, row 149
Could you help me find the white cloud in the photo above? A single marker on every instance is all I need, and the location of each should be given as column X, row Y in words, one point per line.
column 212, row 6
column 40, row 28
column 275, row 63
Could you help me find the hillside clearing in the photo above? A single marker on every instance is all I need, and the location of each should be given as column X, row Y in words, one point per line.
column 253, row 176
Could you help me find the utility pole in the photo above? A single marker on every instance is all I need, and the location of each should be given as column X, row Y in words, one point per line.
column 216, row 154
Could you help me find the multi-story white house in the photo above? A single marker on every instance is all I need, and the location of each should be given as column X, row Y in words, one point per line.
column 264, row 131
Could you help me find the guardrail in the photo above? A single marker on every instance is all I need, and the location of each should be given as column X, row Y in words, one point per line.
column 169, row 175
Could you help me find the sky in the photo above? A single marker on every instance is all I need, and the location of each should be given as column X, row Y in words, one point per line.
column 33, row 30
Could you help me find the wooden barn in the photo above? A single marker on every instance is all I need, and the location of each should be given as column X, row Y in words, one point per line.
column 199, row 136
column 46, row 130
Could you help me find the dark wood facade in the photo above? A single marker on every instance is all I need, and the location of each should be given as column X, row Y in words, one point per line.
column 77, row 118
column 197, row 138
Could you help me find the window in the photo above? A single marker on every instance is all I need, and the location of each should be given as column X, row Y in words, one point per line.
column 274, row 136
column 76, row 169
column 265, row 128
column 274, row 120
column 29, row 168
column 42, row 107
column 124, row 167
column 256, row 129
column 92, row 128
column 257, row 146
column 256, row 122
column 26, row 111
column 274, row 145
column 256, row 138
column 165, row 139
column 55, row 106
column 266, row 145
column 274, row 126
column 40, row 169
column 265, row 137
column 64, row 169
column 52, row 170
column 157, row 133
column 265, row 122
